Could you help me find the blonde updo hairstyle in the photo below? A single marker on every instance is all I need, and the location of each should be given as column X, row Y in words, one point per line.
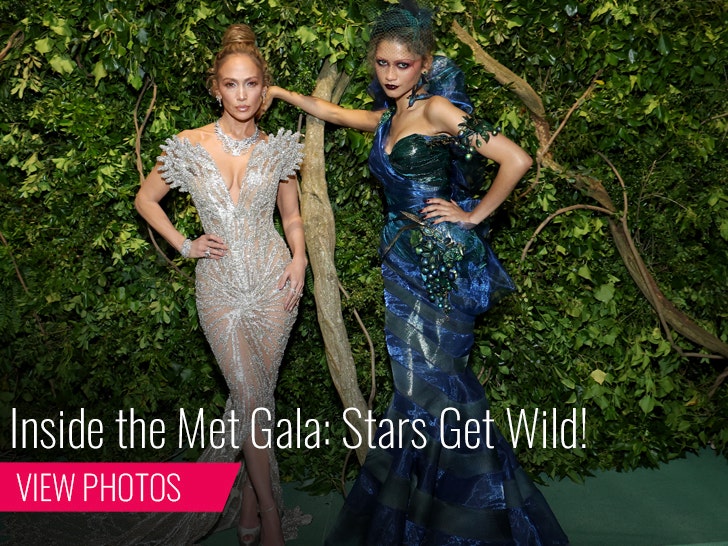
column 239, row 39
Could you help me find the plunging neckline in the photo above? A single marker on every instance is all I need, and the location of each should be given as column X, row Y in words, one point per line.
column 218, row 172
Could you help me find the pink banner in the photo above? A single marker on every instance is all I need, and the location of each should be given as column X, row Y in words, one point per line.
column 115, row 487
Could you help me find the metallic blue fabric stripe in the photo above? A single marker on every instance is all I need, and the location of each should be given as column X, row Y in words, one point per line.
column 414, row 491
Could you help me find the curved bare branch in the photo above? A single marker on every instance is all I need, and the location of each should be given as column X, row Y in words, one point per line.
column 12, row 41
column 670, row 316
column 139, row 128
column 372, row 354
column 21, row 279
column 559, row 212
column 545, row 148
column 503, row 75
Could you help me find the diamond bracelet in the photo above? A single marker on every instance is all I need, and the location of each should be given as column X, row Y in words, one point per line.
column 186, row 247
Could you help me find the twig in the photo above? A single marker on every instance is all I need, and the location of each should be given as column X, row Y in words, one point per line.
column 372, row 359
column 21, row 279
column 542, row 152
column 140, row 129
column 10, row 44
column 140, row 167
column 372, row 391
column 543, row 224
column 621, row 182
column 712, row 118
column 536, row 181
column 718, row 382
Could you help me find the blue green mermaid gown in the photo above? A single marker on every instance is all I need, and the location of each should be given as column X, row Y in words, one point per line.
column 423, row 490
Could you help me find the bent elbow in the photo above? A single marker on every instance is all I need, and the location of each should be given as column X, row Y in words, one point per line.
column 525, row 162
column 138, row 203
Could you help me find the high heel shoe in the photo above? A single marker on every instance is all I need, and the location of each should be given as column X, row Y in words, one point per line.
column 249, row 537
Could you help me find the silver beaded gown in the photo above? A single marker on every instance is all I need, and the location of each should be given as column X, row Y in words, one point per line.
column 241, row 312
column 240, row 307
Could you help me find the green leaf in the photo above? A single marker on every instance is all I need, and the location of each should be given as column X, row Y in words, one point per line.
column 44, row 45
column 515, row 22
column 203, row 11
column 647, row 404
column 598, row 375
column 306, row 35
column 584, row 272
column 604, row 293
column 62, row 28
column 663, row 45
column 99, row 72
column 61, row 64
column 724, row 229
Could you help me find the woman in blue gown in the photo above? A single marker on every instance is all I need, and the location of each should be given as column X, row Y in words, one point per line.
column 424, row 484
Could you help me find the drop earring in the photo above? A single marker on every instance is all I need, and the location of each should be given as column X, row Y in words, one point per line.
column 219, row 100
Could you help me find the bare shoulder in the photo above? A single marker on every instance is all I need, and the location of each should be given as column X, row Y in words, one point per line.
column 443, row 114
column 199, row 134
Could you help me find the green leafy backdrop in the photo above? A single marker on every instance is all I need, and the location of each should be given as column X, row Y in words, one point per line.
column 92, row 316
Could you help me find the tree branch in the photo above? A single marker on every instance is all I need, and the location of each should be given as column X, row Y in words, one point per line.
column 670, row 316
column 372, row 354
column 11, row 43
column 559, row 212
column 139, row 165
column 545, row 148
column 22, row 280
column 318, row 220
column 502, row 74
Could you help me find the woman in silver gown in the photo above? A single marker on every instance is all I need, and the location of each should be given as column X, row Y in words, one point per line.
column 248, row 281
column 248, row 285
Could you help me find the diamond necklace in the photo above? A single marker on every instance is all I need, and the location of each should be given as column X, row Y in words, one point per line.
column 233, row 146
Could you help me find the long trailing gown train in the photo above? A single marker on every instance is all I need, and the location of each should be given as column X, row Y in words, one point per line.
column 422, row 487
column 242, row 314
